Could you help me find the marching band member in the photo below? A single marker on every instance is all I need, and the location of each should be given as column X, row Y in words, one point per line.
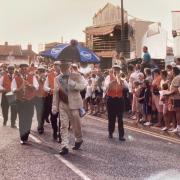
column 115, row 102
column 49, row 88
column 24, row 86
column 5, row 87
column 40, row 98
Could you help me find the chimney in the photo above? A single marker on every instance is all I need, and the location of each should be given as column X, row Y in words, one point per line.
column 6, row 43
column 29, row 47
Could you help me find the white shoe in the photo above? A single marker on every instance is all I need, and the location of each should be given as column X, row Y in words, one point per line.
column 22, row 142
column 133, row 117
column 176, row 130
column 147, row 124
column 171, row 129
column 141, row 120
column 164, row 129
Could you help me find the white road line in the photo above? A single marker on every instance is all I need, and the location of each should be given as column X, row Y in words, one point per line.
column 141, row 131
column 35, row 139
column 65, row 162
column 72, row 167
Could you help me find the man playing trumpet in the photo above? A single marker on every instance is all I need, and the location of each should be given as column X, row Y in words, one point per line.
column 115, row 102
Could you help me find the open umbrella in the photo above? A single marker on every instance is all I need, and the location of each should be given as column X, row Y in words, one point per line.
column 72, row 52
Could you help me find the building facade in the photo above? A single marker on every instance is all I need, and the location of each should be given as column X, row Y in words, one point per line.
column 104, row 36
column 15, row 54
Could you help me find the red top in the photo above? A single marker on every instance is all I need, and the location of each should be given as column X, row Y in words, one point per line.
column 28, row 92
column 115, row 89
column 7, row 82
column 51, row 77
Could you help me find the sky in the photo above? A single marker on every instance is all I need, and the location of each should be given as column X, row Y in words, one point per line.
column 42, row 21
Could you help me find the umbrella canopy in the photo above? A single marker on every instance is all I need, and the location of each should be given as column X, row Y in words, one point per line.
column 70, row 52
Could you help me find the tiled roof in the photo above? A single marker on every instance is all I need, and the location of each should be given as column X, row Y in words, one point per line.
column 28, row 53
column 14, row 50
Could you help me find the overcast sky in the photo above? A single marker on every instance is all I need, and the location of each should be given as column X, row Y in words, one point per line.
column 41, row 21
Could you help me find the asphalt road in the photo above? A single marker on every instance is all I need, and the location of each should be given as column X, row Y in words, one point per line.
column 140, row 157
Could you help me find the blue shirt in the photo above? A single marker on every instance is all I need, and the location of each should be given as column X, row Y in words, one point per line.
column 146, row 57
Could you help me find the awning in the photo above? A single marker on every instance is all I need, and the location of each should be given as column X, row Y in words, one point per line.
column 100, row 30
column 105, row 54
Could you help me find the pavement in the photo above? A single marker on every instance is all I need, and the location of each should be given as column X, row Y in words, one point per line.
column 144, row 155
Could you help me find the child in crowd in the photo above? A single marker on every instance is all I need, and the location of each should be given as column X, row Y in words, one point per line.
column 140, row 94
column 148, row 74
column 147, row 104
column 141, row 77
column 164, row 101
column 88, row 95
column 135, row 108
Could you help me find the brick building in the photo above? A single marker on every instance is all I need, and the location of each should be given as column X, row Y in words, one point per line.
column 15, row 54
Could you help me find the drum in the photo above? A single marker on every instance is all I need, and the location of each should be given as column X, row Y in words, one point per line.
column 11, row 97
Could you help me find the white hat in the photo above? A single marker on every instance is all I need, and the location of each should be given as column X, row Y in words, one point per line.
column 10, row 66
column 74, row 65
column 57, row 63
column 173, row 64
column 116, row 66
column 41, row 67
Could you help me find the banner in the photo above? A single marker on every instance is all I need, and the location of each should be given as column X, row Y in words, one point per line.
column 153, row 29
column 176, row 21
column 176, row 32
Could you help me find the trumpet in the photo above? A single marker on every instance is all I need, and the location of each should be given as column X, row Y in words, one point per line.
column 119, row 79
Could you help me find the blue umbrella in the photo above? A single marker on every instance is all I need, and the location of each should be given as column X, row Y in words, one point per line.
column 54, row 52
column 71, row 52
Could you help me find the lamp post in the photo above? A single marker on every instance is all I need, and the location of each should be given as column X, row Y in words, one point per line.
column 122, row 27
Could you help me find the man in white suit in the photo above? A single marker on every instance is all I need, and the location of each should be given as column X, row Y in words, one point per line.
column 67, row 101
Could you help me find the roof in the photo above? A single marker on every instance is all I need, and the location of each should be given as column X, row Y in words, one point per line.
column 28, row 53
column 101, row 30
column 14, row 50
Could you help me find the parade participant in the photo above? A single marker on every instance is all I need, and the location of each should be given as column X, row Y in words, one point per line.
column 24, row 86
column 5, row 87
column 32, row 69
column 49, row 88
column 67, row 100
column 115, row 103
column 40, row 98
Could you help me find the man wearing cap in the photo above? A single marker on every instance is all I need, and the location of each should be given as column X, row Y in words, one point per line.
column 115, row 102
column 24, row 86
column 40, row 96
column 49, row 88
column 67, row 100
column 5, row 87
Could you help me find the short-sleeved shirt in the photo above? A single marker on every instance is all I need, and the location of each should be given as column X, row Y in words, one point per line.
column 175, row 84
column 146, row 57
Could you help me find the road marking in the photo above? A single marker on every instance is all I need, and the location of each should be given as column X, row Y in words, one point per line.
column 140, row 131
column 64, row 161
column 35, row 139
column 72, row 167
